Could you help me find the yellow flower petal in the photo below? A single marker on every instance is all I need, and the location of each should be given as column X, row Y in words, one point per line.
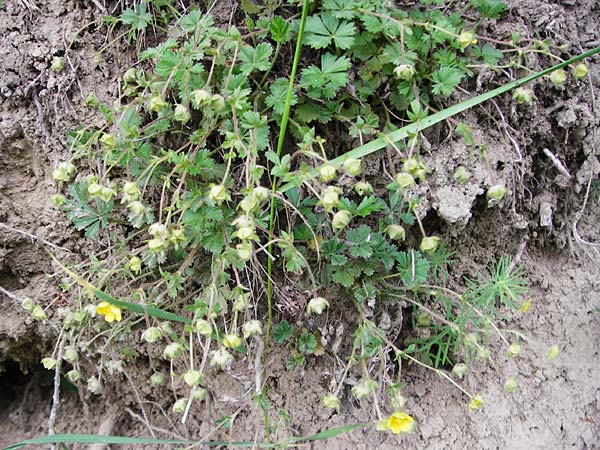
column 400, row 422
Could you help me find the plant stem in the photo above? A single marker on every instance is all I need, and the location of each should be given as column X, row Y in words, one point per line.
column 282, row 129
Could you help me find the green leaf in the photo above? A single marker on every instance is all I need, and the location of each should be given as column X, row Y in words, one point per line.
column 324, row 29
column 491, row 9
column 282, row 332
column 360, row 238
column 137, row 19
column 256, row 59
column 413, row 268
column 342, row 9
column 488, row 53
column 465, row 132
column 445, row 80
column 280, row 30
column 325, row 81
column 84, row 216
column 307, row 342
column 276, row 98
column 346, row 275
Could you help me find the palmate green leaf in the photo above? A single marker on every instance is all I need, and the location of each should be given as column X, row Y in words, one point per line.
column 342, row 9
column 256, row 59
column 276, row 98
column 414, row 128
column 137, row 19
column 280, row 30
column 325, row 81
column 445, row 80
column 491, row 9
column 488, row 53
column 324, row 29
column 413, row 268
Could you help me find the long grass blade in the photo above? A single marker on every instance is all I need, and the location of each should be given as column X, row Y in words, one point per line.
column 415, row 127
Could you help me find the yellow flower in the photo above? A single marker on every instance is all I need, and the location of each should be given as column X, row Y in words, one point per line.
column 525, row 306
column 475, row 403
column 110, row 312
column 400, row 422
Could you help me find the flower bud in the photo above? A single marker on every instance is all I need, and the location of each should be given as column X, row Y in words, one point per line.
column 580, row 71
column 364, row 387
column 49, row 363
column 459, row 370
column 158, row 231
column 156, row 245
column 221, row 358
column 218, row 194
column 405, row 180
column 202, row 327
column 198, row 393
column 511, row 384
column 200, row 97
column 523, row 96
column 466, row 38
column 93, row 385
column 423, row 319
column 27, row 304
column 331, row 401
column 330, row 198
column 177, row 236
column 217, row 102
column 558, row 77
column 135, row 264
column 395, row 232
column 261, row 193
column 130, row 76
column 131, row 190
column 152, row 334
column 429, row 244
column 495, row 193
column 172, row 350
column 362, row 188
column 317, row 305
column 157, row 379
column 244, row 251
column 63, row 171
column 193, row 378
column 341, row 219
column 108, row 140
column 249, row 203
column 38, row 313
column 404, row 72
column 461, row 175
column 553, row 352
column 106, row 193
column 246, row 233
column 58, row 64
column 137, row 208
column 514, row 350
column 232, row 341
column 182, row 114
column 73, row 375
column 58, row 200
column 353, row 166
column 180, row 405
column 156, row 103
column 252, row 328
column 327, row 172
column 70, row 355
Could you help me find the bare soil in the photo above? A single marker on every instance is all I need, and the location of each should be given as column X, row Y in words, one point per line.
column 557, row 405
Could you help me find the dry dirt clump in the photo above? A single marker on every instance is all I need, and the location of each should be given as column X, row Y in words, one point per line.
column 558, row 402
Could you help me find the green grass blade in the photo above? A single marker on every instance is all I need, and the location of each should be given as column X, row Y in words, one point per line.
column 330, row 433
column 95, row 439
column 133, row 307
column 413, row 128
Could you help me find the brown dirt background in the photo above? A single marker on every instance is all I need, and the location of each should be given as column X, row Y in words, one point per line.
column 557, row 406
